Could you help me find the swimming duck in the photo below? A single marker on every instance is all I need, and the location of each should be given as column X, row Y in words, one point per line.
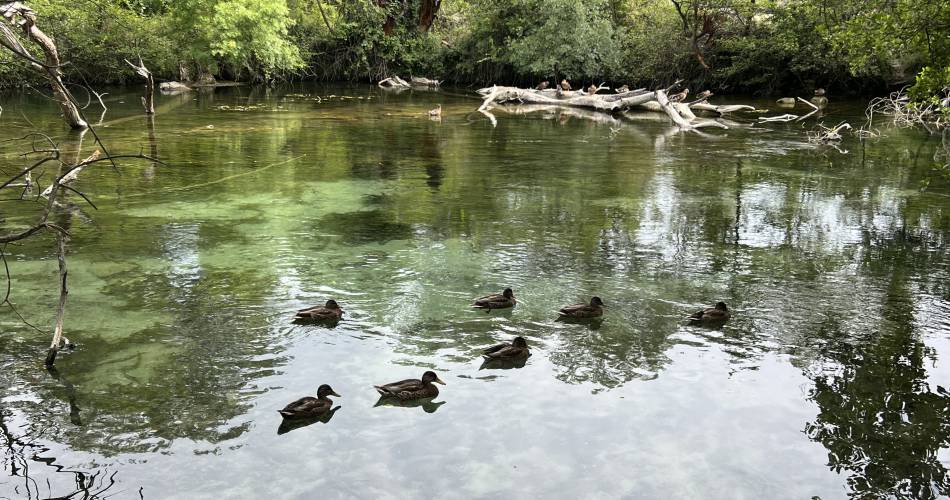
column 565, row 85
column 328, row 312
column 718, row 314
column 436, row 112
column 518, row 348
column 309, row 406
column 412, row 388
column 593, row 310
column 501, row 300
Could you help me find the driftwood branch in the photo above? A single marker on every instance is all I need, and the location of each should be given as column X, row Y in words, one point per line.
column 19, row 15
column 680, row 113
column 148, row 100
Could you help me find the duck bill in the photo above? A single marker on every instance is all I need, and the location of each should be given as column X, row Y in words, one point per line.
column 438, row 381
column 333, row 393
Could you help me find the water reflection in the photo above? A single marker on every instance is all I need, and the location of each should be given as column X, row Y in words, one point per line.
column 288, row 424
column 182, row 299
column 428, row 405
column 882, row 422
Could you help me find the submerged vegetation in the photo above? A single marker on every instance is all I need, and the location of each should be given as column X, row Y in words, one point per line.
column 762, row 47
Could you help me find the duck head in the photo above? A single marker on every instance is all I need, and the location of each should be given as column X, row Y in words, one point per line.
column 325, row 390
column 597, row 302
column 721, row 306
column 331, row 304
column 430, row 376
column 508, row 293
column 519, row 342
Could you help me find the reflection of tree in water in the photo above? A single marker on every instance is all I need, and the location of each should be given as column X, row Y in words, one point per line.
column 608, row 361
column 21, row 452
column 878, row 417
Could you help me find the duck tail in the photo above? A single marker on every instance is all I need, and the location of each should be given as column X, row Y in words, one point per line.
column 285, row 413
column 382, row 391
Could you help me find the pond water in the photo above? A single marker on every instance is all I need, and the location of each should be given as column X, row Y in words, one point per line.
column 830, row 381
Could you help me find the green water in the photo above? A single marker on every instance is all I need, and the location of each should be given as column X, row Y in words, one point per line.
column 830, row 380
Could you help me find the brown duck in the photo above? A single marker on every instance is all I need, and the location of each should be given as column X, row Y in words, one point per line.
column 412, row 388
column 594, row 309
column 718, row 314
column 518, row 348
column 565, row 85
column 501, row 300
column 310, row 406
column 328, row 312
column 542, row 86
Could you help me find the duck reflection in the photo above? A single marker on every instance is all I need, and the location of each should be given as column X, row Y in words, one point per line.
column 428, row 405
column 592, row 324
column 287, row 424
column 503, row 364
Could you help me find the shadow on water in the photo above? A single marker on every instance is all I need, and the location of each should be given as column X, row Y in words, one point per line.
column 428, row 405
column 289, row 424
column 504, row 364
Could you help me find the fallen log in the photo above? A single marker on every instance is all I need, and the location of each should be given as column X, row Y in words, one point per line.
column 394, row 82
column 681, row 113
column 418, row 81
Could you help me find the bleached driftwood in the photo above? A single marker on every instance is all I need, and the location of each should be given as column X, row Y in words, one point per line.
column 780, row 118
column 148, row 99
column 825, row 134
column 394, row 82
column 722, row 110
column 418, row 81
column 681, row 113
column 72, row 175
column 607, row 102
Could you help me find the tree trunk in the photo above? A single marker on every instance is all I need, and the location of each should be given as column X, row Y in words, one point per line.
column 427, row 12
column 20, row 15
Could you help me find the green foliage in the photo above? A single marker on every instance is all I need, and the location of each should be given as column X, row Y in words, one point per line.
column 242, row 35
column 767, row 46
column 932, row 88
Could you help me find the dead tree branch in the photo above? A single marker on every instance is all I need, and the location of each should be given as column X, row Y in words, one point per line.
column 148, row 100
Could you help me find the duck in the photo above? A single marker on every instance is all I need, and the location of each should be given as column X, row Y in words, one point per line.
column 680, row 96
column 328, row 312
column 518, row 348
column 542, row 86
column 412, row 388
column 501, row 300
column 309, row 406
column 565, row 85
column 622, row 89
column 706, row 94
column 717, row 314
column 594, row 309
column 592, row 89
column 436, row 111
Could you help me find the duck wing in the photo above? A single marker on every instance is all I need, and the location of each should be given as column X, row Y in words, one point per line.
column 319, row 312
column 305, row 405
column 495, row 348
column 395, row 388
column 698, row 315
column 506, row 352
column 490, row 301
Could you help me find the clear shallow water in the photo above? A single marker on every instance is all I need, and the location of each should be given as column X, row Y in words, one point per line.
column 830, row 381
